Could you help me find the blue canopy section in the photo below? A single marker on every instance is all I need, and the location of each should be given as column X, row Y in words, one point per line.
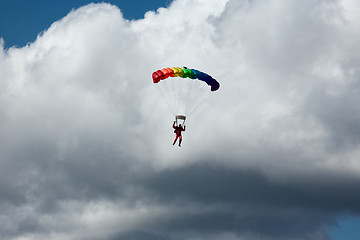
column 206, row 78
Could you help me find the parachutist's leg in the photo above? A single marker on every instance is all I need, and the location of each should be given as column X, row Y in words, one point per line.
column 176, row 137
column 180, row 140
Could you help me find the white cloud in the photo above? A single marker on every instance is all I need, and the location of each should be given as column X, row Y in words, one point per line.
column 80, row 119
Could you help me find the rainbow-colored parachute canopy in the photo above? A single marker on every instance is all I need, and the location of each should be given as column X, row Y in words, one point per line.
column 185, row 73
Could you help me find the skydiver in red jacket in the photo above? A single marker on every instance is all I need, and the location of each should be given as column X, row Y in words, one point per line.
column 178, row 130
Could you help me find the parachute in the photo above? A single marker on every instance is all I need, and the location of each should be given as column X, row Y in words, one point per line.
column 184, row 89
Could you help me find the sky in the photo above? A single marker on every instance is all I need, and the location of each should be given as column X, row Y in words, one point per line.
column 86, row 138
column 21, row 21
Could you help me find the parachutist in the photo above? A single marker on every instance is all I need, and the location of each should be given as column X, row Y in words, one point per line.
column 177, row 131
column 184, row 96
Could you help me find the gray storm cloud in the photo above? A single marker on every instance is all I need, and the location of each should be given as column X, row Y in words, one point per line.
column 86, row 138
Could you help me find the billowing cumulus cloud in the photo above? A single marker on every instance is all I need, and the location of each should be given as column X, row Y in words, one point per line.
column 86, row 137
